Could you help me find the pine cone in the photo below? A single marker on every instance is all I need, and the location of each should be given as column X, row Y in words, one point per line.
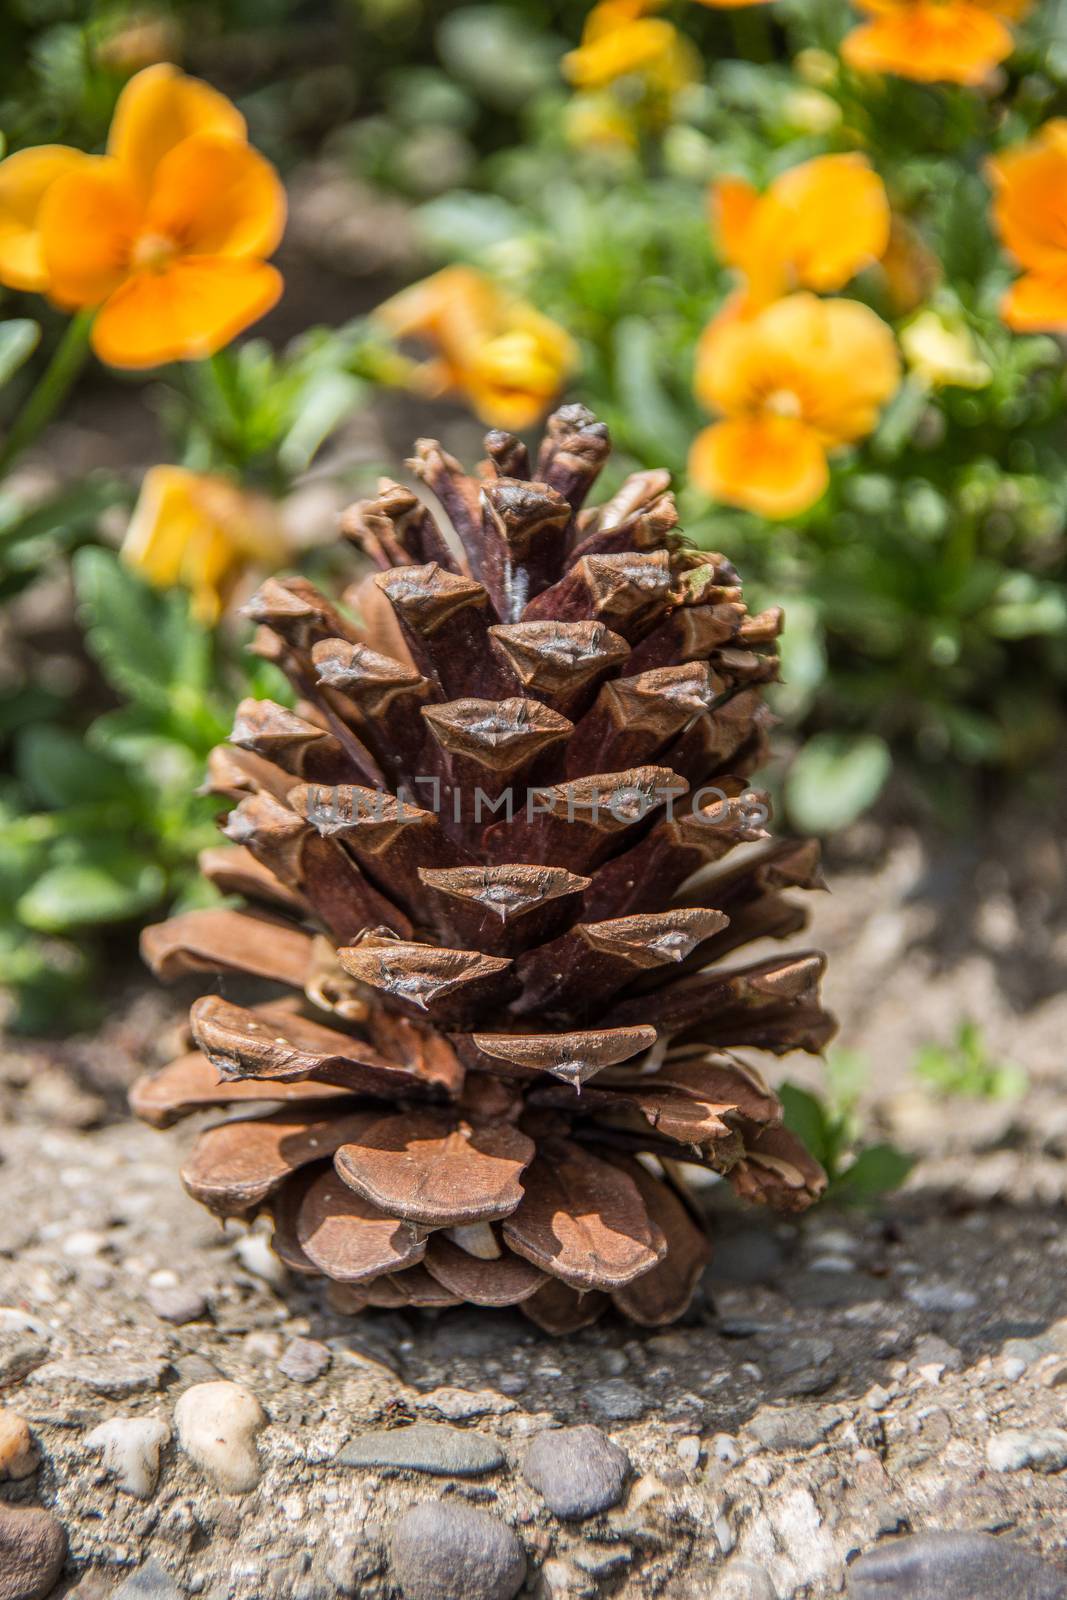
column 483, row 853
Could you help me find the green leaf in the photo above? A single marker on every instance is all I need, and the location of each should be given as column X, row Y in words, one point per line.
column 121, row 617
column 147, row 643
column 652, row 417
column 805, row 1115
column 877, row 1170
column 59, row 771
column 113, row 887
column 18, row 340
column 834, row 779
column 325, row 401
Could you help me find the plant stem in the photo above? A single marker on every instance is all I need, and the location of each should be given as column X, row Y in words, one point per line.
column 52, row 388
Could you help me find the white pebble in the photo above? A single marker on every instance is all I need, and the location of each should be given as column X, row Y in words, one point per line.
column 217, row 1425
column 725, row 1448
column 131, row 1447
column 85, row 1243
column 254, row 1253
column 1042, row 1449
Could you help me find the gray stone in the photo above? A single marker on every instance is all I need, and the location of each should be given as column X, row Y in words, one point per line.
column 1042, row 1449
column 615, row 1399
column 304, row 1360
column 793, row 1429
column 954, row 1566
column 33, row 1548
column 110, row 1375
column 453, row 1552
column 425, row 1447
column 177, row 1304
column 20, row 1353
column 799, row 1354
column 748, row 1255
column 150, row 1582
column 576, row 1471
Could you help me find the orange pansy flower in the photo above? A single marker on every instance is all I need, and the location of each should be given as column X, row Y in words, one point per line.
column 816, row 226
column 25, row 179
column 619, row 41
column 502, row 353
column 934, row 41
column 166, row 234
column 200, row 531
column 795, row 380
column 1030, row 210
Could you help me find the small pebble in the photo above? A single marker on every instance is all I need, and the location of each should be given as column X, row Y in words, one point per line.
column 111, row 1375
column 1042, row 1449
column 217, row 1425
column 576, row 1471
column 724, row 1447
column 425, row 1447
column 131, row 1447
column 792, row 1429
column 458, row 1405
column 176, row 1303
column 744, row 1580
column 33, row 1548
column 150, row 1582
column 20, row 1352
column 18, row 1453
column 689, row 1451
column 954, row 1566
column 254, row 1253
column 304, row 1360
column 561, row 1580
column 615, row 1399
column 442, row 1550
column 941, row 1297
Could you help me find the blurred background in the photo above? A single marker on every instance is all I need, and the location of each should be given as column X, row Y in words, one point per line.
column 786, row 250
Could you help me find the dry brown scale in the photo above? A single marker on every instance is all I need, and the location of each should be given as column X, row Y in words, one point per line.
column 503, row 1034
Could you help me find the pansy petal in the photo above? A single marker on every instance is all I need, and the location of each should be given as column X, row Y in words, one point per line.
column 89, row 220
column 25, row 179
column 832, row 218
column 217, row 197
column 772, row 465
column 932, row 41
column 1030, row 204
column 733, row 205
column 157, row 110
column 184, row 313
column 1037, row 304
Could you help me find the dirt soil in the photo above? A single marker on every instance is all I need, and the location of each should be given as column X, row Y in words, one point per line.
column 836, row 1382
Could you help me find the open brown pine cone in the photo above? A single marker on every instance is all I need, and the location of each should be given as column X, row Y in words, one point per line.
column 483, row 857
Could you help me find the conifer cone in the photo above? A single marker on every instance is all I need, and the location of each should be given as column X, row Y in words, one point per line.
column 489, row 894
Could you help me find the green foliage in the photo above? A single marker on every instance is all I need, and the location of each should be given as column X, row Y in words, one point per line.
column 930, row 583
column 857, row 1173
column 966, row 1067
column 101, row 825
column 834, row 778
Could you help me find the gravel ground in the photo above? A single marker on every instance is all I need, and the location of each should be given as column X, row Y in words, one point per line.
column 839, row 1382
